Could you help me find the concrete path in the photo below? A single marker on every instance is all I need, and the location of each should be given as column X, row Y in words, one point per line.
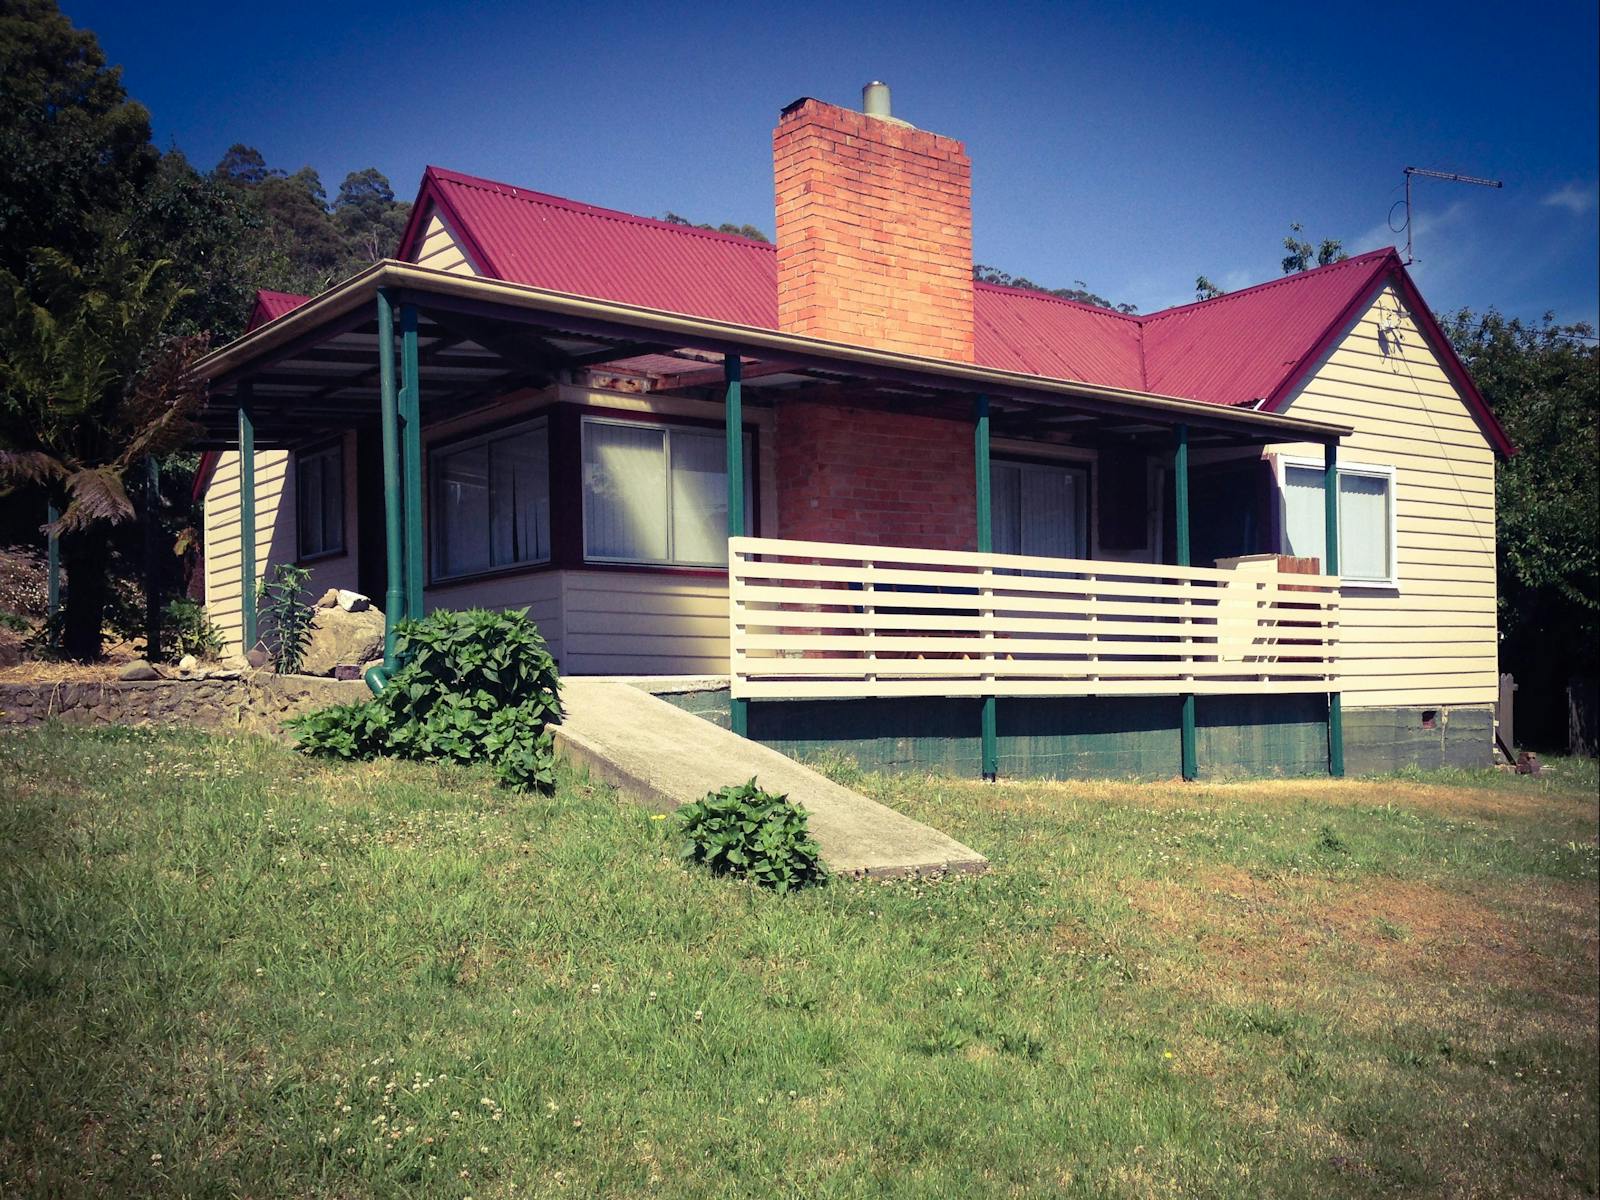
column 661, row 757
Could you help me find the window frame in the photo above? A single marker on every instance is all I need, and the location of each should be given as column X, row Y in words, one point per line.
column 322, row 450
column 667, row 426
column 1384, row 471
column 436, row 527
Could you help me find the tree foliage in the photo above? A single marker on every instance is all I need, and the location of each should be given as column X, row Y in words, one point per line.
column 1302, row 255
column 74, row 150
column 744, row 231
column 90, row 385
column 1079, row 292
column 1543, row 382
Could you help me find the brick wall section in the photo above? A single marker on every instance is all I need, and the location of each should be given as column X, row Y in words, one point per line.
column 875, row 478
column 874, row 223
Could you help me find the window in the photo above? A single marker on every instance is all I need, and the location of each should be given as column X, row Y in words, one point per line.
column 319, row 501
column 1366, row 518
column 491, row 502
column 1038, row 510
column 657, row 494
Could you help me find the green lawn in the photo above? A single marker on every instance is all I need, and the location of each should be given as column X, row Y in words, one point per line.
column 226, row 970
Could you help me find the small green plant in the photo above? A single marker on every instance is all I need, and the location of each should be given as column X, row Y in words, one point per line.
column 15, row 622
column 752, row 834
column 189, row 630
column 285, row 616
column 475, row 686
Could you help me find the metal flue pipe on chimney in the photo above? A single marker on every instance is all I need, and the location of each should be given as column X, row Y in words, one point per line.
column 875, row 99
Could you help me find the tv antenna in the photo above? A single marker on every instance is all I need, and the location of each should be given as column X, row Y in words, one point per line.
column 1449, row 176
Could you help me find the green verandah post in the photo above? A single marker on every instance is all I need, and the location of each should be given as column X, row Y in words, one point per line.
column 733, row 432
column 1180, row 492
column 247, row 519
column 1330, row 511
column 393, row 500
column 990, row 762
column 411, row 459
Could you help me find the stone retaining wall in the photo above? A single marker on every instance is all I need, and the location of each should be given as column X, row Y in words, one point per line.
column 259, row 703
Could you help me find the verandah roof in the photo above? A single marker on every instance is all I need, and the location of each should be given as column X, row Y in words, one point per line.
column 314, row 370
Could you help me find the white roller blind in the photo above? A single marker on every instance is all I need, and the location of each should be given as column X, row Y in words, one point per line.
column 1363, row 526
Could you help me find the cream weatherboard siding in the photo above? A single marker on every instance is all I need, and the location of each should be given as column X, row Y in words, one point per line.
column 1433, row 640
column 439, row 250
column 275, row 533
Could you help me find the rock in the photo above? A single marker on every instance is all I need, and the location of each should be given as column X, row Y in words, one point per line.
column 188, row 663
column 137, row 671
column 329, row 598
column 342, row 638
column 257, row 658
column 235, row 662
column 353, row 601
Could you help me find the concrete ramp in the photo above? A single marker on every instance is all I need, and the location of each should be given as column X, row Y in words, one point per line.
column 661, row 757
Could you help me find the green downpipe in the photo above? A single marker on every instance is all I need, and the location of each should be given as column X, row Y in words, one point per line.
column 393, row 499
column 733, row 433
column 1330, row 513
column 247, row 519
column 53, row 569
column 1180, row 492
column 411, row 460
column 990, row 763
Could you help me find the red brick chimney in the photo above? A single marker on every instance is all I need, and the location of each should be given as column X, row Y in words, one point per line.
column 874, row 229
column 874, row 248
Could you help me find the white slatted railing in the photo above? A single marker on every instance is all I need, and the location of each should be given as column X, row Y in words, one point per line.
column 822, row 619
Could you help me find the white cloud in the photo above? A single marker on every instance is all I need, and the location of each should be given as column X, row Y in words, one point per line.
column 1575, row 199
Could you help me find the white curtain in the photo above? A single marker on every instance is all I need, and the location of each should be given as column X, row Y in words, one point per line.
column 625, row 492
column 519, row 517
column 1005, row 508
column 1036, row 510
column 461, row 511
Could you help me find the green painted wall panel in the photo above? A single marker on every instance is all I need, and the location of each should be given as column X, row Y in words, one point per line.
column 1110, row 738
column 1262, row 735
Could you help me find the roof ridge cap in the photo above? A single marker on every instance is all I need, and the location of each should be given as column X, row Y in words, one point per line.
column 533, row 196
column 1365, row 258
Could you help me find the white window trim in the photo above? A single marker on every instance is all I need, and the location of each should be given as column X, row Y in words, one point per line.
column 670, row 562
column 436, row 527
column 1386, row 472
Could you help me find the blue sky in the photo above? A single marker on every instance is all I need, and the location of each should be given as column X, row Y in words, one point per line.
column 1127, row 146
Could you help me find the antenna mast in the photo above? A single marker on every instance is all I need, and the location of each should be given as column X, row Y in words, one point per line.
column 1446, row 175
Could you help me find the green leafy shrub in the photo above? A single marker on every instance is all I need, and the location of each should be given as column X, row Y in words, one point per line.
column 475, row 686
column 286, row 615
column 188, row 630
column 752, row 834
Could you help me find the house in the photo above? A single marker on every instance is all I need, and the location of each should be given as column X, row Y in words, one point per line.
column 963, row 526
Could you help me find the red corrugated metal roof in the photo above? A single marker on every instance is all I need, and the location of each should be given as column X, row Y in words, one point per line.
column 1233, row 350
column 1039, row 334
column 271, row 305
column 1253, row 345
column 529, row 237
column 1240, row 347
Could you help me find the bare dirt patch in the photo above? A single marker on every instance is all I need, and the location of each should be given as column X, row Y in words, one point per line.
column 1258, row 935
